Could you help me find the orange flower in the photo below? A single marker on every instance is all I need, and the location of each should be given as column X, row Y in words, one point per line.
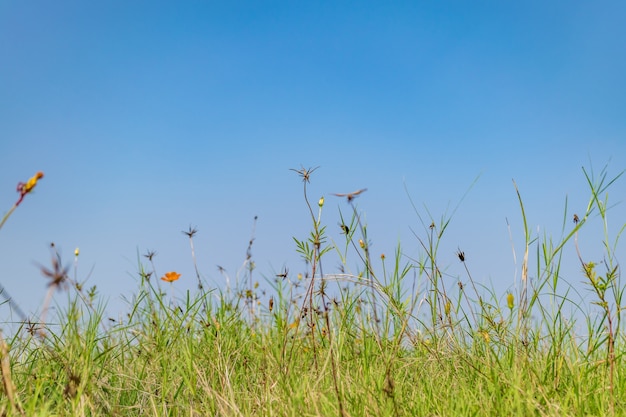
column 170, row 276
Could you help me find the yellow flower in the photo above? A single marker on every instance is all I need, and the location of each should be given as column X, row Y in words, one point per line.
column 76, row 252
column 28, row 187
column 24, row 189
column 321, row 202
column 170, row 276
column 361, row 244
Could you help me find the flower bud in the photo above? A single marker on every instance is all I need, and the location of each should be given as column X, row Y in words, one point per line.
column 510, row 300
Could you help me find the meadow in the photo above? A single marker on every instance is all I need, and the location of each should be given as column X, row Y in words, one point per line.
column 392, row 341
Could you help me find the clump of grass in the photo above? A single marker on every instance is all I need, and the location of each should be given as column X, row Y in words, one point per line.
column 403, row 339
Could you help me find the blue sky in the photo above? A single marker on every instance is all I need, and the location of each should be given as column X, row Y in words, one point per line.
column 148, row 117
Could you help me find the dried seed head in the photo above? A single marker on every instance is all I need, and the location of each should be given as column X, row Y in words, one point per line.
column 350, row 196
column 190, row 232
column 304, row 173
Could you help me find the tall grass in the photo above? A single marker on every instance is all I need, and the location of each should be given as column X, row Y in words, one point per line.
column 397, row 340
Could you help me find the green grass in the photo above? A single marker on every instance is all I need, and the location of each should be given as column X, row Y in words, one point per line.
column 388, row 342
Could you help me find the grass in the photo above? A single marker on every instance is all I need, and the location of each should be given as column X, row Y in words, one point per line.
column 388, row 342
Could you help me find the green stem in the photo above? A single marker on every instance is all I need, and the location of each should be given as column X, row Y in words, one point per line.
column 6, row 216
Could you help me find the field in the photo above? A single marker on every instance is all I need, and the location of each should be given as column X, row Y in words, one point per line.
column 388, row 342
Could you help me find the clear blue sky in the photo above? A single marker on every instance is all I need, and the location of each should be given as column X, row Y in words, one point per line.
column 148, row 117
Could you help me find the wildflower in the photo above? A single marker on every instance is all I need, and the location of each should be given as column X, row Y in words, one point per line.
column 76, row 252
column 382, row 256
column 28, row 187
column 510, row 301
column 321, row 202
column 170, row 276
column 25, row 188
column 361, row 244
